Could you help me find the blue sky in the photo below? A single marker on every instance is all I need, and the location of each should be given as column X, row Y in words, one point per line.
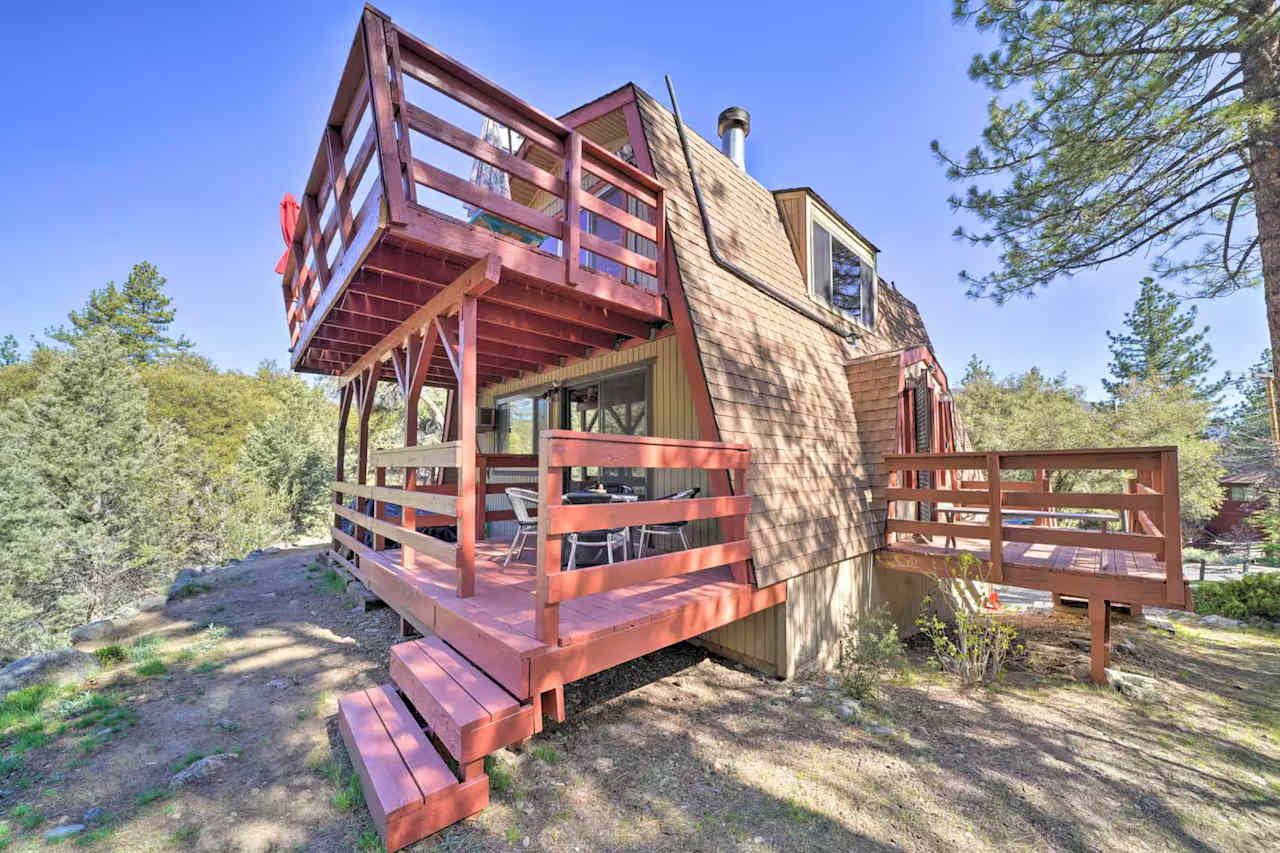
column 153, row 131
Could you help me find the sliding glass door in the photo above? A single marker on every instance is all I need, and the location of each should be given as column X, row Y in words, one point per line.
column 615, row 405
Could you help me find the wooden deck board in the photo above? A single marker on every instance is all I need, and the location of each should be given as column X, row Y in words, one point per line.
column 1118, row 574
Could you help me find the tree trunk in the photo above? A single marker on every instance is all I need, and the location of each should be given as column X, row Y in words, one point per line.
column 1262, row 85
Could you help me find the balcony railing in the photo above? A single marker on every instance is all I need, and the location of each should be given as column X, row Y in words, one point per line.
column 561, row 449
column 374, row 148
column 1150, row 503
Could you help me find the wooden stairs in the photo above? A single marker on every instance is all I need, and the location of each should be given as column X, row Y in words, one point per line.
column 422, row 772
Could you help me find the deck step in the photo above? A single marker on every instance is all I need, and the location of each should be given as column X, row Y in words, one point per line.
column 467, row 711
column 409, row 787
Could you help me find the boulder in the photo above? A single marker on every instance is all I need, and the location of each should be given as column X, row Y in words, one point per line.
column 198, row 770
column 103, row 629
column 58, row 665
column 186, row 583
column 1134, row 686
column 64, row 831
column 361, row 593
column 1213, row 620
column 152, row 603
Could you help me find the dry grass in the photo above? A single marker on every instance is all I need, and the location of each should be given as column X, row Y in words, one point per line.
column 677, row 751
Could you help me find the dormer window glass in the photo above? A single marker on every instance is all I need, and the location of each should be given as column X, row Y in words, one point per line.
column 841, row 278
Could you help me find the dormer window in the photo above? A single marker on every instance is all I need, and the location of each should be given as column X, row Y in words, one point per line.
column 840, row 276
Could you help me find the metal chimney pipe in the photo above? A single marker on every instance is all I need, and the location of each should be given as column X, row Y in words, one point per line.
column 733, row 126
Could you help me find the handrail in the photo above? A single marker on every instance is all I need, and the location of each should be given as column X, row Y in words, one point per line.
column 1149, row 503
column 560, row 449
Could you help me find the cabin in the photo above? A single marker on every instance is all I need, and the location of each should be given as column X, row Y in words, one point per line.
column 680, row 406
column 1243, row 494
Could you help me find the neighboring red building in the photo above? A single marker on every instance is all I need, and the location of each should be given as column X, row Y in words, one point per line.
column 1243, row 493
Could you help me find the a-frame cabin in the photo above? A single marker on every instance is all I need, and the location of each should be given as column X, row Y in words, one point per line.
column 620, row 313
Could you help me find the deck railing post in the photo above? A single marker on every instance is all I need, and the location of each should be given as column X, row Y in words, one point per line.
column 572, row 188
column 995, row 518
column 740, row 571
column 467, row 421
column 550, row 494
column 1172, row 528
column 380, row 508
column 482, row 494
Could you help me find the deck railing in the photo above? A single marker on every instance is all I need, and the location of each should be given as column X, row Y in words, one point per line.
column 563, row 178
column 1149, row 504
column 423, row 501
column 561, row 449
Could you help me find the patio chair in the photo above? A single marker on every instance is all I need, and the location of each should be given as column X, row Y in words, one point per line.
column 525, row 504
column 605, row 539
column 671, row 528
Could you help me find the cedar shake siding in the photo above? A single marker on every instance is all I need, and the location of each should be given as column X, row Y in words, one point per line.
column 777, row 380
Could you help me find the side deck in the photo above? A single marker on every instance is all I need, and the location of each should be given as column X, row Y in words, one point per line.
column 954, row 515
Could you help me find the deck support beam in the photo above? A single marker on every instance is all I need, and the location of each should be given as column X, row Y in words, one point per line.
column 1100, row 642
column 411, row 372
column 467, row 401
column 340, row 466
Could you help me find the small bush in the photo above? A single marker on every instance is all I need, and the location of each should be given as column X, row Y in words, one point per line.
column 109, row 656
column 869, row 650
column 27, row 816
column 333, row 581
column 83, row 703
column 501, row 779
column 348, row 795
column 546, row 753
column 145, row 649
column 368, row 840
column 1256, row 595
column 21, row 708
column 155, row 666
column 978, row 645
column 151, row 795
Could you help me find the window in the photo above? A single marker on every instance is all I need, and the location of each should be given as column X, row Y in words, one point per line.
column 618, row 405
column 1242, row 493
column 840, row 276
column 520, row 419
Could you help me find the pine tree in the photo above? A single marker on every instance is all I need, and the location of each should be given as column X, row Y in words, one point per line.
column 1247, row 443
column 1119, row 127
column 10, row 353
column 139, row 312
column 1161, row 343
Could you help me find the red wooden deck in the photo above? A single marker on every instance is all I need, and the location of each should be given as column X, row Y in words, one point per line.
column 496, row 627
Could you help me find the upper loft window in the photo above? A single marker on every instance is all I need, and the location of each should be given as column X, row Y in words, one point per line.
column 841, row 277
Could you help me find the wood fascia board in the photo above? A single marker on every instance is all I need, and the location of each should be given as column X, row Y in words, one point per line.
column 478, row 278
column 600, row 107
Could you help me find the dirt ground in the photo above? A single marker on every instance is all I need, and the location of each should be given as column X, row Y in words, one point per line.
column 676, row 751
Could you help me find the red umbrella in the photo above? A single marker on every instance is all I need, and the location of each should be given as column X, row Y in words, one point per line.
column 288, row 221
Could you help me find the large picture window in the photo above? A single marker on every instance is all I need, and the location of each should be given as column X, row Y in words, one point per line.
column 841, row 278
column 617, row 405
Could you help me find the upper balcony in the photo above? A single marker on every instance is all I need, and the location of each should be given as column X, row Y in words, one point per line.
column 402, row 199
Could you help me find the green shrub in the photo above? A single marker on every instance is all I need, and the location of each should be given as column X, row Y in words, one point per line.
column 869, row 650
column 1255, row 595
column 22, row 707
column 111, row 655
column 151, row 667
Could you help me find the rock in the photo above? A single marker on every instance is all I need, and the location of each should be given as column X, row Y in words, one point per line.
column 361, row 593
column 152, row 603
column 94, row 814
column 277, row 684
column 1082, row 645
column 198, row 770
column 93, row 631
column 127, row 612
column 882, row 730
column 228, row 725
column 850, row 710
column 1213, row 620
column 1148, row 804
column 1127, row 647
column 64, row 831
column 1134, row 686
column 103, row 732
column 604, row 765
column 1160, row 623
column 186, row 583
column 57, row 665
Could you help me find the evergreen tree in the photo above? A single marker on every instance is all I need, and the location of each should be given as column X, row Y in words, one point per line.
column 1161, row 343
column 9, row 351
column 292, row 452
column 1247, row 443
column 1125, row 127
column 139, row 312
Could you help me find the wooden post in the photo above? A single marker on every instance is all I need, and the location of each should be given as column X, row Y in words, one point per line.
column 553, row 703
column 1100, row 642
column 418, row 354
column 1174, row 589
column 890, row 538
column 340, row 467
column 550, row 494
column 572, row 188
column 380, row 508
column 994, row 518
column 467, row 394
column 741, row 573
column 366, row 390
column 482, row 494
